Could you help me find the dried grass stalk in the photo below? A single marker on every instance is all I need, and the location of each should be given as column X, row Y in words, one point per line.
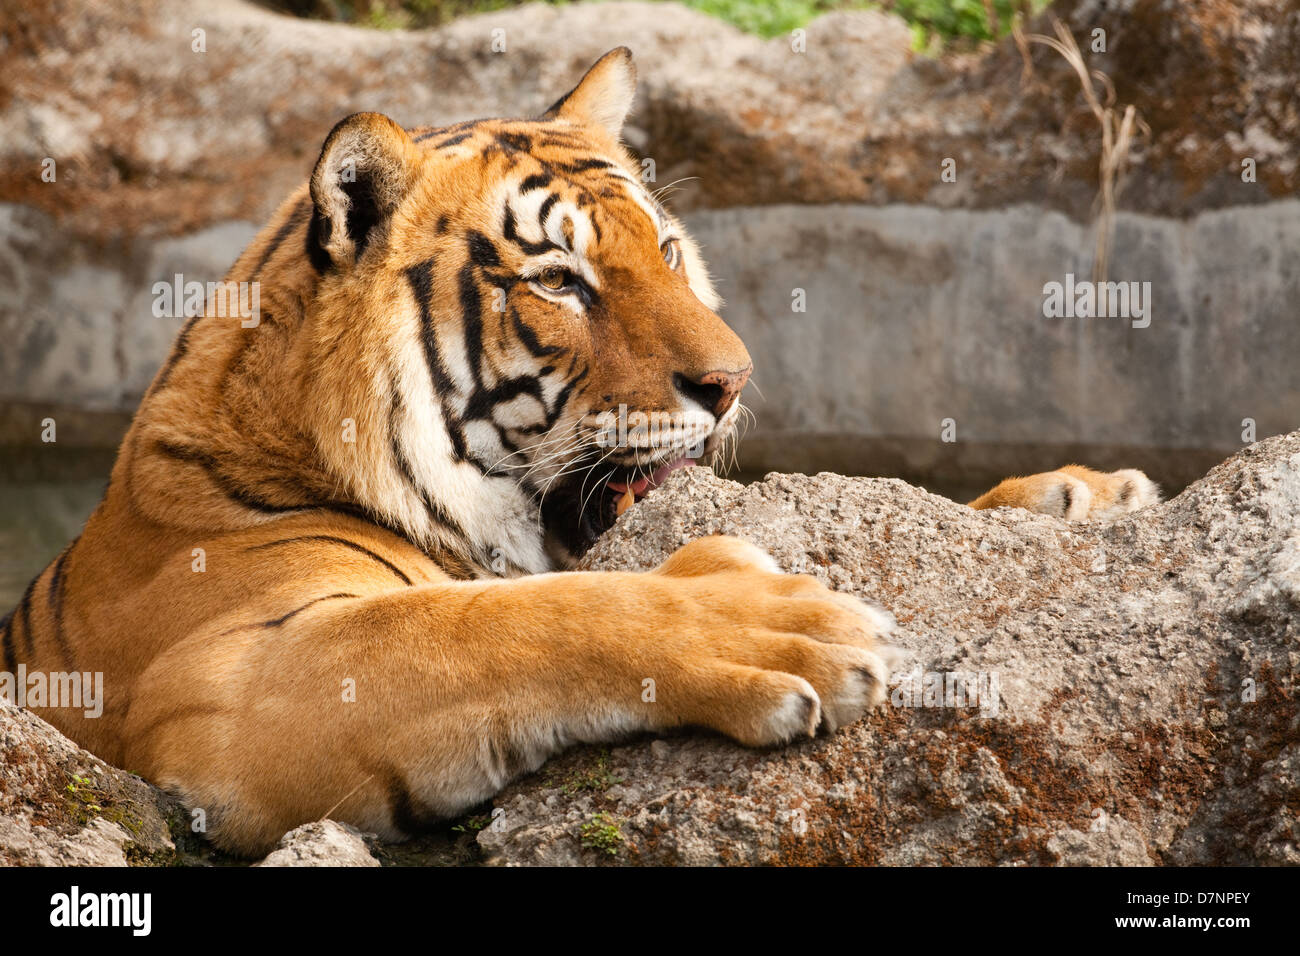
column 1118, row 131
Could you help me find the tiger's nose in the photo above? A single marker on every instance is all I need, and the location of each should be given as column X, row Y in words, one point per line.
column 717, row 391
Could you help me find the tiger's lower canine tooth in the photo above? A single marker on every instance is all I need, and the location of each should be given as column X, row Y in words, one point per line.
column 625, row 502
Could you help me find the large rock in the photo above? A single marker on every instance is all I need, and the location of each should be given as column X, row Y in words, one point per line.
column 1136, row 682
column 323, row 843
column 1134, row 688
column 158, row 128
column 61, row 806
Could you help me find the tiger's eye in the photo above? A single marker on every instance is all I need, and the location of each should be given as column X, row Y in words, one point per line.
column 553, row 278
column 670, row 251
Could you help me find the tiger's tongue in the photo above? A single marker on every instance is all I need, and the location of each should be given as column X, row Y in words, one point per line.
column 642, row 486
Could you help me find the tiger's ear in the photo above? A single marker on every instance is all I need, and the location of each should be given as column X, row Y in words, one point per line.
column 366, row 167
column 603, row 96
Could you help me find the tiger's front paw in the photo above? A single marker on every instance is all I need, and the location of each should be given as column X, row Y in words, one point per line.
column 1075, row 493
column 772, row 656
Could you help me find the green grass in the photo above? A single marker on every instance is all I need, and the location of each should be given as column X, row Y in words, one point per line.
column 935, row 23
column 773, row 17
column 601, row 833
column 473, row 824
column 967, row 20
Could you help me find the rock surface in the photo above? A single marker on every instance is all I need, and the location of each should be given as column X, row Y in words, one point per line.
column 61, row 806
column 1136, row 702
column 323, row 843
column 1135, row 681
column 157, row 126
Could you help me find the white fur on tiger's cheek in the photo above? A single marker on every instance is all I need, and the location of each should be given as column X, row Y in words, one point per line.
column 495, row 514
column 522, row 411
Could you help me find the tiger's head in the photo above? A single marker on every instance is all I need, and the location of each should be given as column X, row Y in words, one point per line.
column 528, row 336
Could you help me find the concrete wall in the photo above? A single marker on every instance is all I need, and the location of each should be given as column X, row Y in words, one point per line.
column 913, row 315
column 76, row 319
column 916, row 315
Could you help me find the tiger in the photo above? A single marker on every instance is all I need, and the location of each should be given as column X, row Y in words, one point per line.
column 333, row 572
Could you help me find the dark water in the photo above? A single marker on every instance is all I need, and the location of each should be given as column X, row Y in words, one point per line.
column 46, row 496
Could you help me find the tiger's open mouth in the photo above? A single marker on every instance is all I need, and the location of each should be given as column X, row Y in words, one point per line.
column 578, row 515
column 629, row 492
